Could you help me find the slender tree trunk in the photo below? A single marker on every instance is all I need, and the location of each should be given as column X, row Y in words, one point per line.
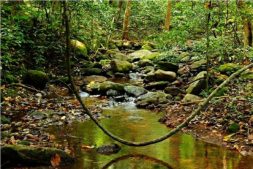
column 126, row 21
column 168, row 16
column 119, row 10
column 247, row 26
column 208, row 44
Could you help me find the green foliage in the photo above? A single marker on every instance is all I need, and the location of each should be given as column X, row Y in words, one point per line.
column 233, row 128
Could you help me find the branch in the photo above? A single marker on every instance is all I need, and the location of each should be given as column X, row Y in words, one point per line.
column 119, row 139
column 27, row 87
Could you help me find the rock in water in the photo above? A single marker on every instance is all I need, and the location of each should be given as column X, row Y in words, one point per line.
column 152, row 98
column 109, row 149
column 135, row 90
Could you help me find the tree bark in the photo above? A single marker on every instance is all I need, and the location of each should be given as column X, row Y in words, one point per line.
column 125, row 35
column 168, row 16
column 247, row 26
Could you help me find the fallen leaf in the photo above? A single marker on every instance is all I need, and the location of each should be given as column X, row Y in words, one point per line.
column 228, row 137
column 55, row 160
column 250, row 137
column 87, row 147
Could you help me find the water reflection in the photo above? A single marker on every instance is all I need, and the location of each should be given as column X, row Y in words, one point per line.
column 180, row 151
column 139, row 157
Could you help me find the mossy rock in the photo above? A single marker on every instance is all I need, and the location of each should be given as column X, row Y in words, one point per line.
column 91, row 71
column 5, row 120
column 140, row 53
column 35, row 78
column 228, row 68
column 190, row 98
column 233, row 128
column 79, row 47
column 198, row 85
column 104, row 62
column 174, row 91
column 161, row 75
column 103, row 87
column 21, row 155
column 152, row 56
column 147, row 47
column 160, row 85
column 167, row 66
column 198, row 64
column 135, row 90
column 121, row 66
column 152, row 98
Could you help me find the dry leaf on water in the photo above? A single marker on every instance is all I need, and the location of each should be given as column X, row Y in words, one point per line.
column 87, row 147
column 55, row 160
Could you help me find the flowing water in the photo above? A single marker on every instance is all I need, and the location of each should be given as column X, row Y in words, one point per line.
column 181, row 151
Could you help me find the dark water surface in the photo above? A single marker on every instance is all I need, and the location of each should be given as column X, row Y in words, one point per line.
column 181, row 151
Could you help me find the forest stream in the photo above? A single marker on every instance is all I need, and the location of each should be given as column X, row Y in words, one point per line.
column 129, row 122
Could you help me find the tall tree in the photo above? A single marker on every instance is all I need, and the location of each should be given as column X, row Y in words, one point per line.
column 168, row 16
column 125, row 35
column 247, row 25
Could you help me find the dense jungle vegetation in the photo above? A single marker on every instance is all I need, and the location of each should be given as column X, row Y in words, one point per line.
column 140, row 69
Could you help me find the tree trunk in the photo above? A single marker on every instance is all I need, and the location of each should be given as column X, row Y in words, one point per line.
column 247, row 26
column 126, row 21
column 248, row 34
column 168, row 16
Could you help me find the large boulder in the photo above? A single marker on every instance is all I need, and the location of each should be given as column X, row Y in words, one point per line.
column 152, row 98
column 79, row 47
column 228, row 68
column 121, row 66
column 35, row 78
column 135, row 90
column 199, row 83
column 20, row 155
column 103, row 87
column 161, row 75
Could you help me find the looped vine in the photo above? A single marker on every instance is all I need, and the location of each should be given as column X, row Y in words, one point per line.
column 119, row 139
